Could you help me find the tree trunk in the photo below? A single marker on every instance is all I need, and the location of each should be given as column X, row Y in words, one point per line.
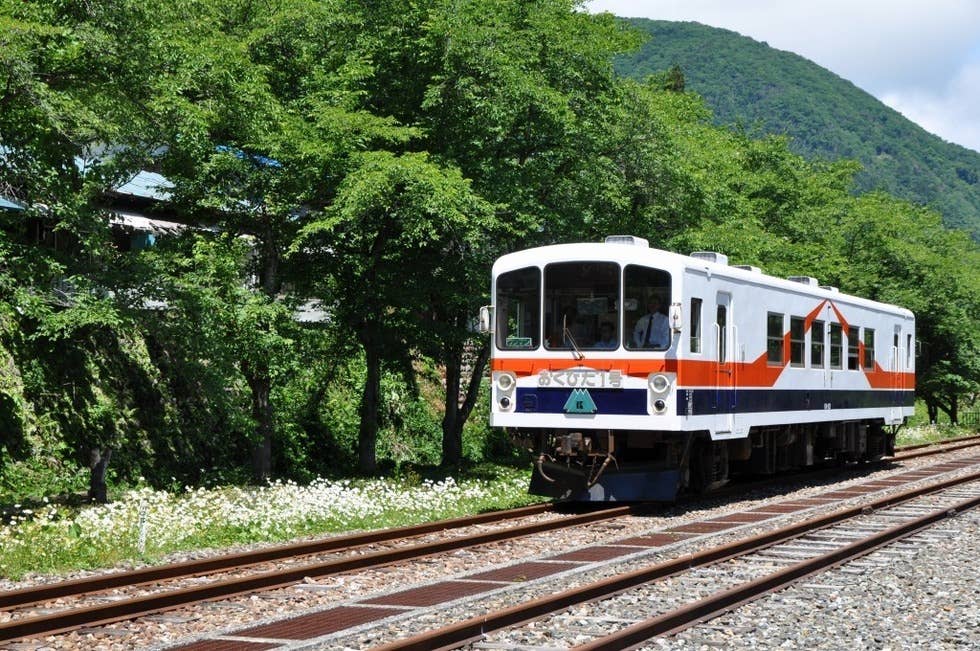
column 456, row 413
column 261, row 387
column 368, row 433
column 97, row 488
column 452, row 435
column 950, row 408
column 259, row 376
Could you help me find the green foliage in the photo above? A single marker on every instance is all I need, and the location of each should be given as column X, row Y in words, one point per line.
column 379, row 156
column 762, row 204
column 403, row 225
column 409, row 433
column 926, row 433
column 34, row 478
column 770, row 91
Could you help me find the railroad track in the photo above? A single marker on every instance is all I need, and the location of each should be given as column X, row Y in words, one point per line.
column 905, row 453
column 745, row 569
column 402, row 549
column 814, row 552
column 39, row 594
column 929, row 449
column 367, row 621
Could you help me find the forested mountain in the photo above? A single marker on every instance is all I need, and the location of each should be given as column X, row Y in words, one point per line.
column 748, row 83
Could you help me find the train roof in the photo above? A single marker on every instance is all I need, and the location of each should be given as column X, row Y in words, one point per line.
column 629, row 249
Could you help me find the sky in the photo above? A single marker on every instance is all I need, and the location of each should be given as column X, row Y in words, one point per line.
column 920, row 57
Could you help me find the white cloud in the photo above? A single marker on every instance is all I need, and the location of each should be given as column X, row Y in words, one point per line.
column 917, row 54
column 953, row 114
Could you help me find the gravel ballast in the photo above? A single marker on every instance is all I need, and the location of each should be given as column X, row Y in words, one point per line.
column 925, row 598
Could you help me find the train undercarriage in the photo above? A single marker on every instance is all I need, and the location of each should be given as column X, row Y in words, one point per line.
column 595, row 465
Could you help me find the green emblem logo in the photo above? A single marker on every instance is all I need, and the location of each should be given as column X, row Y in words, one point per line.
column 580, row 402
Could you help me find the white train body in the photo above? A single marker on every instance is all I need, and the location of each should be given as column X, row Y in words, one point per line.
column 744, row 358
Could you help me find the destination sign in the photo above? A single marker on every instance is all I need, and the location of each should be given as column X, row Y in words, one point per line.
column 581, row 377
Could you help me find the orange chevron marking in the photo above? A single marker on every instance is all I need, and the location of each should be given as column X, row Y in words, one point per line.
column 812, row 316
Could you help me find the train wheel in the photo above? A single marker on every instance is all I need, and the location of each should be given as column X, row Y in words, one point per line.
column 708, row 465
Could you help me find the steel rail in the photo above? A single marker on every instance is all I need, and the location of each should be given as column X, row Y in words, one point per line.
column 475, row 628
column 819, row 472
column 691, row 614
column 918, row 446
column 138, row 606
column 40, row 594
column 914, row 452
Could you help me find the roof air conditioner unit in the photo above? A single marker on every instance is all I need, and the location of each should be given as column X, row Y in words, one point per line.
column 711, row 256
column 630, row 240
column 804, row 280
column 748, row 267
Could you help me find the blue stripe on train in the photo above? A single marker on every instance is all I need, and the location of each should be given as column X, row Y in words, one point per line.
column 607, row 401
column 740, row 401
column 699, row 402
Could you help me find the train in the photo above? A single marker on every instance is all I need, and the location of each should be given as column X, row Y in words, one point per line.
column 636, row 374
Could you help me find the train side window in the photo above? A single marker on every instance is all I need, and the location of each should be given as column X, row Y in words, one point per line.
column 774, row 338
column 817, row 344
column 647, row 297
column 695, row 325
column 836, row 346
column 910, row 351
column 797, row 340
column 853, row 337
column 869, row 348
column 517, row 320
column 895, row 352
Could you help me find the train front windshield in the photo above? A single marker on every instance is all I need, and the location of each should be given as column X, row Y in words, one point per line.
column 583, row 305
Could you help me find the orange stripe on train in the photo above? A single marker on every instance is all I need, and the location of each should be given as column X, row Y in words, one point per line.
column 692, row 372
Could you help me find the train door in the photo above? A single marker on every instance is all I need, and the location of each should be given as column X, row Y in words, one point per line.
column 828, row 378
column 897, row 368
column 725, row 366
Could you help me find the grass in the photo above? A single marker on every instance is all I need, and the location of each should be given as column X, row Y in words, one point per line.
column 145, row 524
column 931, row 434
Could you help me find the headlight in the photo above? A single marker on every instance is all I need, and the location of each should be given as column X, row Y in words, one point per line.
column 659, row 383
column 506, row 381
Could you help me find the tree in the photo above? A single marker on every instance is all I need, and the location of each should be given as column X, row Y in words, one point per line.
column 74, row 77
column 674, row 79
column 901, row 254
column 260, row 138
column 522, row 99
column 401, row 229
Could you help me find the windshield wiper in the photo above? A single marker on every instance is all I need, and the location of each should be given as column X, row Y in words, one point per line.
column 567, row 334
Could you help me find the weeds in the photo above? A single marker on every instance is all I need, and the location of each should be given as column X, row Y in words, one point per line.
column 56, row 538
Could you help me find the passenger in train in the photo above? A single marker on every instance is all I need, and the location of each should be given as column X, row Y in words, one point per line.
column 607, row 337
column 653, row 329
